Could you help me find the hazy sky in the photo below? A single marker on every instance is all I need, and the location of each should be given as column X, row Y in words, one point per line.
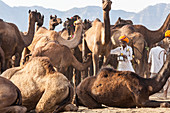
column 63, row 5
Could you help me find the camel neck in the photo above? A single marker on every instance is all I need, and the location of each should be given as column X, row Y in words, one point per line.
column 106, row 26
column 156, row 36
column 30, row 34
column 160, row 79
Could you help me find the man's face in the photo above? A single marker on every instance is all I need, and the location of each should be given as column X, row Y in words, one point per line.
column 122, row 43
column 168, row 40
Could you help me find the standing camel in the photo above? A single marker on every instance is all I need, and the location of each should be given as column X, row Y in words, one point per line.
column 98, row 36
column 13, row 42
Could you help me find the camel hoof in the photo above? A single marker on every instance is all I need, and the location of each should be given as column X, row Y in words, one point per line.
column 71, row 107
column 163, row 105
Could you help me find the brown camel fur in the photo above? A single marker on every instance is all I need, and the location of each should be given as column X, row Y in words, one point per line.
column 98, row 36
column 42, row 88
column 60, row 56
column 122, row 89
column 12, row 41
column 10, row 97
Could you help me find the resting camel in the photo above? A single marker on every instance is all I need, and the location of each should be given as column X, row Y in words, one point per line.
column 10, row 97
column 98, row 36
column 42, row 88
column 123, row 89
column 12, row 41
column 60, row 56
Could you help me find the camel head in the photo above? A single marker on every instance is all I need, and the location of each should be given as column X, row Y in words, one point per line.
column 54, row 21
column 106, row 4
column 122, row 21
column 87, row 24
column 69, row 24
column 35, row 16
column 41, row 22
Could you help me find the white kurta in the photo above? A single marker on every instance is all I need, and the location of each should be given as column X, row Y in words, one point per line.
column 124, row 65
column 157, row 58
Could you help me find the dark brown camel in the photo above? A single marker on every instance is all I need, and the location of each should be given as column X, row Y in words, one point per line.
column 122, row 89
column 13, row 42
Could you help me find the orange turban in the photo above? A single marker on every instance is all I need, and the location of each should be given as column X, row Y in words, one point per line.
column 124, row 38
column 167, row 33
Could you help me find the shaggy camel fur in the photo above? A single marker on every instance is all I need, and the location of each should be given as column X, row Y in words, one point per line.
column 12, row 41
column 10, row 97
column 60, row 56
column 42, row 88
column 122, row 89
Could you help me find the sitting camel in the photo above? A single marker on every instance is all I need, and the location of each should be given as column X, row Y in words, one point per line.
column 42, row 88
column 122, row 89
column 10, row 97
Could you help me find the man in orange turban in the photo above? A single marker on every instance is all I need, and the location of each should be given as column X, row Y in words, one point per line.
column 124, row 53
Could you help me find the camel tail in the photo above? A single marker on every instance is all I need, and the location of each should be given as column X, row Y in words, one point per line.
column 19, row 98
column 65, row 101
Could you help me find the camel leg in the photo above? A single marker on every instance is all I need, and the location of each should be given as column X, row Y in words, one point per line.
column 51, row 99
column 95, row 64
column 87, row 100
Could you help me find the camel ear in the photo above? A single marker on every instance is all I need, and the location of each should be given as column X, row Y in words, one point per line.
column 51, row 16
column 68, row 19
column 29, row 11
column 35, row 10
column 55, row 16
column 43, row 16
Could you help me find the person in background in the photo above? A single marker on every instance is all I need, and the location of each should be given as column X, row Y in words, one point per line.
column 157, row 57
column 124, row 53
column 167, row 84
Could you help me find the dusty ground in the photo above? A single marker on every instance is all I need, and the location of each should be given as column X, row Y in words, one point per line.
column 157, row 96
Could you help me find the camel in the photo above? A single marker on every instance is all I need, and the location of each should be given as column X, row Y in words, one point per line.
column 10, row 35
column 42, row 88
column 98, row 36
column 10, row 97
column 152, row 37
column 60, row 56
column 123, row 89
column 54, row 21
column 69, row 28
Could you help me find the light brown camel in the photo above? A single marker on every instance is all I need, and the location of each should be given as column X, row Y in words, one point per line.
column 42, row 88
column 122, row 89
column 12, row 41
column 98, row 36
column 60, row 56
column 10, row 97
column 54, row 21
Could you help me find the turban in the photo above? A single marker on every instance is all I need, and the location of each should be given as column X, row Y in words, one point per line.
column 167, row 33
column 124, row 38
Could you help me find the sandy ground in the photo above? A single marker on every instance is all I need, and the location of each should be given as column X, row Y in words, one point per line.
column 157, row 96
